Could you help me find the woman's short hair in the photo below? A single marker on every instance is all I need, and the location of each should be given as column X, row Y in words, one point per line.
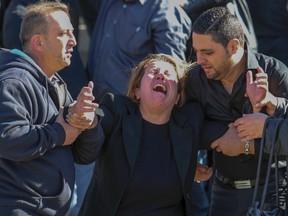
column 181, row 68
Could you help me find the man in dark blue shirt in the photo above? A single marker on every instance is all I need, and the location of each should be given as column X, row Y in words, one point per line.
column 126, row 31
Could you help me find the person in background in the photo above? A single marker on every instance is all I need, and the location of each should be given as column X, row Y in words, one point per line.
column 3, row 6
column 125, row 32
column 89, row 12
column 38, row 147
column 270, row 21
column 218, row 82
column 150, row 147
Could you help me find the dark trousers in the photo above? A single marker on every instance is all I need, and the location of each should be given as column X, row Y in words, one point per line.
column 227, row 200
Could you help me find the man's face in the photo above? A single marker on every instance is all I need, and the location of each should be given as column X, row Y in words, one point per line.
column 59, row 42
column 212, row 56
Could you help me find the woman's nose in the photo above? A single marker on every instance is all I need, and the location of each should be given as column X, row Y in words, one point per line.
column 160, row 76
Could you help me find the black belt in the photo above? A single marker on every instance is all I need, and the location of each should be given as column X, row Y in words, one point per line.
column 237, row 184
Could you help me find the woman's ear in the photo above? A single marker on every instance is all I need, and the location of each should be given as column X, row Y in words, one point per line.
column 137, row 94
column 177, row 99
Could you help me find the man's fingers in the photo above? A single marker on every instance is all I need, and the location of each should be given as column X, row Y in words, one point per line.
column 249, row 77
column 214, row 144
column 218, row 149
column 260, row 70
column 91, row 85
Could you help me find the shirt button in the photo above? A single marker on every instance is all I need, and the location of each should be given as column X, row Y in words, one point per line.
column 188, row 196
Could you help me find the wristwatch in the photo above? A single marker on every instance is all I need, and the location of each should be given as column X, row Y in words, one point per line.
column 247, row 146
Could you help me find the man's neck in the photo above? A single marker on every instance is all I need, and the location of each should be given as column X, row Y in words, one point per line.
column 235, row 71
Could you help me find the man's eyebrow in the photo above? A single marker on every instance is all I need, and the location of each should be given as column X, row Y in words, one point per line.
column 204, row 49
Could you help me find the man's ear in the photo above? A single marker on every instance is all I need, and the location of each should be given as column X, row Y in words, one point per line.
column 233, row 45
column 37, row 42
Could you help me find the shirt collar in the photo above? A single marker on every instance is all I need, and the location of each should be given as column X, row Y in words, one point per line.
column 252, row 62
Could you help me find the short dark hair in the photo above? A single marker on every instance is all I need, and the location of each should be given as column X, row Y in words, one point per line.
column 220, row 24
